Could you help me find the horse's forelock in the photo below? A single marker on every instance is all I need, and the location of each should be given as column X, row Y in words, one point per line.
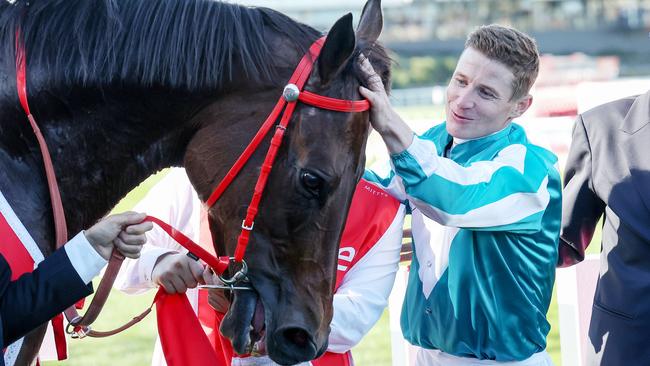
column 379, row 59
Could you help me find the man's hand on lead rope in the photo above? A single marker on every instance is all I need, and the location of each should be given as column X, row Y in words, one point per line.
column 177, row 272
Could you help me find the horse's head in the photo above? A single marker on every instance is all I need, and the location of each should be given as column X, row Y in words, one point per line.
column 294, row 243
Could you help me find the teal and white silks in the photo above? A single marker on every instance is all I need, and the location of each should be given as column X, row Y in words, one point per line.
column 485, row 227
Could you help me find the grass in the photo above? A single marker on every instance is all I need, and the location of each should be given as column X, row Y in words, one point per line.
column 134, row 346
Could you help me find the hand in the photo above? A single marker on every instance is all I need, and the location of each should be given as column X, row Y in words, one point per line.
column 396, row 134
column 124, row 231
column 218, row 299
column 177, row 272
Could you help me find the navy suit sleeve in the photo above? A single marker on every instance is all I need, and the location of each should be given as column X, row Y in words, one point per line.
column 581, row 206
column 34, row 298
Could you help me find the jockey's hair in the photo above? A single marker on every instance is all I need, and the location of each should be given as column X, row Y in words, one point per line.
column 514, row 49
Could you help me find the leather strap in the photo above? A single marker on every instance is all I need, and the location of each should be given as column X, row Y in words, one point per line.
column 60, row 227
column 80, row 325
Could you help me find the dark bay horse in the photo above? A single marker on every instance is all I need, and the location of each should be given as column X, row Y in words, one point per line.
column 124, row 88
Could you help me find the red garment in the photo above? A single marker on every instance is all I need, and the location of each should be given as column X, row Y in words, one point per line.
column 361, row 235
column 13, row 250
column 21, row 262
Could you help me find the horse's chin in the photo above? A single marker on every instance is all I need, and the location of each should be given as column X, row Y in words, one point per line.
column 244, row 322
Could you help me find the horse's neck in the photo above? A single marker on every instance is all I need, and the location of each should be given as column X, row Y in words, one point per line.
column 104, row 143
column 100, row 152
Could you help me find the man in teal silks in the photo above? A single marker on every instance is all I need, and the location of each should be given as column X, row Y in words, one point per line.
column 486, row 207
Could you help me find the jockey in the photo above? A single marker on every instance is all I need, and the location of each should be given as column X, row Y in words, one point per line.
column 368, row 261
column 486, row 210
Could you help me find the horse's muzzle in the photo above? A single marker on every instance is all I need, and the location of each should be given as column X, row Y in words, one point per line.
column 292, row 344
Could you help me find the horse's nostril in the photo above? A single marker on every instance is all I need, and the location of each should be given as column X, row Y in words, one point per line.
column 297, row 336
column 292, row 345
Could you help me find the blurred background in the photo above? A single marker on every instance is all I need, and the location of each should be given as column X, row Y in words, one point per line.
column 593, row 51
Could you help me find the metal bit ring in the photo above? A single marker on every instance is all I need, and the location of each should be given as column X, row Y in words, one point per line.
column 238, row 276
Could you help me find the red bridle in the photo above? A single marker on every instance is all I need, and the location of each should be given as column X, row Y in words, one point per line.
column 291, row 95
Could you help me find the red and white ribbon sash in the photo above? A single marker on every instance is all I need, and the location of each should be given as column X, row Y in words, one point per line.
column 23, row 255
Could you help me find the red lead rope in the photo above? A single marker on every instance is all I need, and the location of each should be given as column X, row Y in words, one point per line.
column 218, row 264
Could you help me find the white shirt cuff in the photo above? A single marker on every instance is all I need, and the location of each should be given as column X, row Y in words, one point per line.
column 84, row 258
column 148, row 262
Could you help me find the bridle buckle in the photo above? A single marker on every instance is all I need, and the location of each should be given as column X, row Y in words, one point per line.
column 77, row 331
column 247, row 227
column 291, row 92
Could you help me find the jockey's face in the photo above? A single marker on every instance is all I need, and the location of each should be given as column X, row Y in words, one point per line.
column 479, row 97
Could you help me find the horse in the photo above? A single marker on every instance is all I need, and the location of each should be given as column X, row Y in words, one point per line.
column 124, row 88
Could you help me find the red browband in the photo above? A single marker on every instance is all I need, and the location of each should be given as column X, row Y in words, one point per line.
column 333, row 104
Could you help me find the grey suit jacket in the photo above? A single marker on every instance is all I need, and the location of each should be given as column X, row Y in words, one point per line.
column 608, row 173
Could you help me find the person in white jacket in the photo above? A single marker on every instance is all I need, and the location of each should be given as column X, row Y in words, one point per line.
column 366, row 270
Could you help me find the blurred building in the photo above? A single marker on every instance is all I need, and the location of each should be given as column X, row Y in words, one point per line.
column 426, row 27
column 594, row 27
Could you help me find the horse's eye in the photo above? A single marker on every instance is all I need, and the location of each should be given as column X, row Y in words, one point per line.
column 311, row 181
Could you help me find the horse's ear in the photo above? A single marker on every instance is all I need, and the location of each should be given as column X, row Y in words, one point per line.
column 371, row 22
column 337, row 50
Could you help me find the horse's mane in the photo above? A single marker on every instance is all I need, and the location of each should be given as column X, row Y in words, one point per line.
column 189, row 44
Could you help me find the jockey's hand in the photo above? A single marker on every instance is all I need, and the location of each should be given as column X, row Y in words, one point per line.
column 124, row 231
column 177, row 272
column 396, row 134
column 217, row 298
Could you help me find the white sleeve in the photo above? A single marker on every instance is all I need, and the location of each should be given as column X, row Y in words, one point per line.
column 174, row 201
column 363, row 295
column 84, row 258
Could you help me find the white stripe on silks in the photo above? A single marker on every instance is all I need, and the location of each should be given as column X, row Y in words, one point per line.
column 20, row 231
column 432, row 243
column 425, row 154
column 512, row 156
column 479, row 172
column 394, row 188
column 527, row 204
